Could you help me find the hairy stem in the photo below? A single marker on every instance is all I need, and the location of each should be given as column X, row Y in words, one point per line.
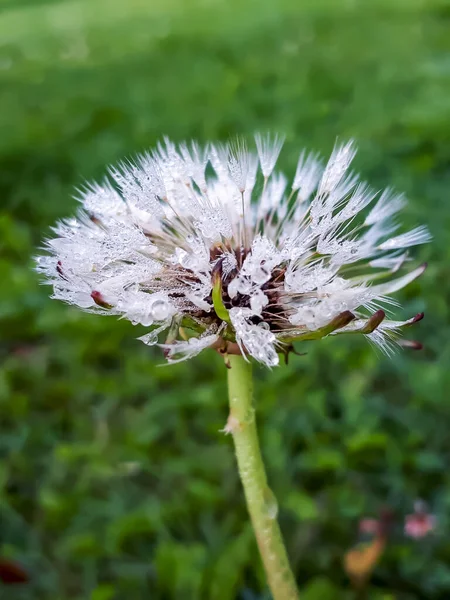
column 261, row 502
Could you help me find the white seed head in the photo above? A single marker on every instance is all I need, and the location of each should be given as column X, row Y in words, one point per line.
column 214, row 260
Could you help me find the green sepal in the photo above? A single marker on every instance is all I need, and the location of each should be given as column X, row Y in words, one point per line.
column 341, row 320
column 218, row 304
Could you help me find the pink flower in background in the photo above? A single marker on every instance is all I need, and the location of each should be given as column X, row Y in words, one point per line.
column 420, row 523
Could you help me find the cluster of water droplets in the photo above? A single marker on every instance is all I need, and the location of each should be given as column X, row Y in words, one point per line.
column 257, row 340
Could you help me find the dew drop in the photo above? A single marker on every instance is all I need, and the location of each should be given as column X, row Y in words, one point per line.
column 146, row 320
column 82, row 299
column 270, row 503
column 244, row 286
column 261, row 274
column 233, row 287
column 160, row 310
column 257, row 302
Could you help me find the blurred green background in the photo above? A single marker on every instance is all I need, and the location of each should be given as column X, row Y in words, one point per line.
column 115, row 483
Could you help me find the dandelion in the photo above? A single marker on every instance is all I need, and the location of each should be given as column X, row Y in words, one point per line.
column 205, row 250
column 167, row 247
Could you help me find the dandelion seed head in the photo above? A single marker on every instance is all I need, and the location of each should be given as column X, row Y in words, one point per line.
column 184, row 240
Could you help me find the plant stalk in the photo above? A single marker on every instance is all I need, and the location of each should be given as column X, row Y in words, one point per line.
column 261, row 502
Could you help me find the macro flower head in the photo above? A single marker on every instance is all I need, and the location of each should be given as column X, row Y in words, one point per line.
column 212, row 247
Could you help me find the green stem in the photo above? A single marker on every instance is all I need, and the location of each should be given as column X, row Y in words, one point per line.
column 261, row 502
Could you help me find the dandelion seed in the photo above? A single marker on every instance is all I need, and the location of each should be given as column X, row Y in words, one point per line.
column 307, row 175
column 419, row 235
column 388, row 204
column 268, row 151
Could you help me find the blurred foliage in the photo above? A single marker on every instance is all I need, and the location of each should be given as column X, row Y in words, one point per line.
column 114, row 480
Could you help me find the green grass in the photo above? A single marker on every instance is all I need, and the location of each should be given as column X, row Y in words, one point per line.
column 115, row 483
